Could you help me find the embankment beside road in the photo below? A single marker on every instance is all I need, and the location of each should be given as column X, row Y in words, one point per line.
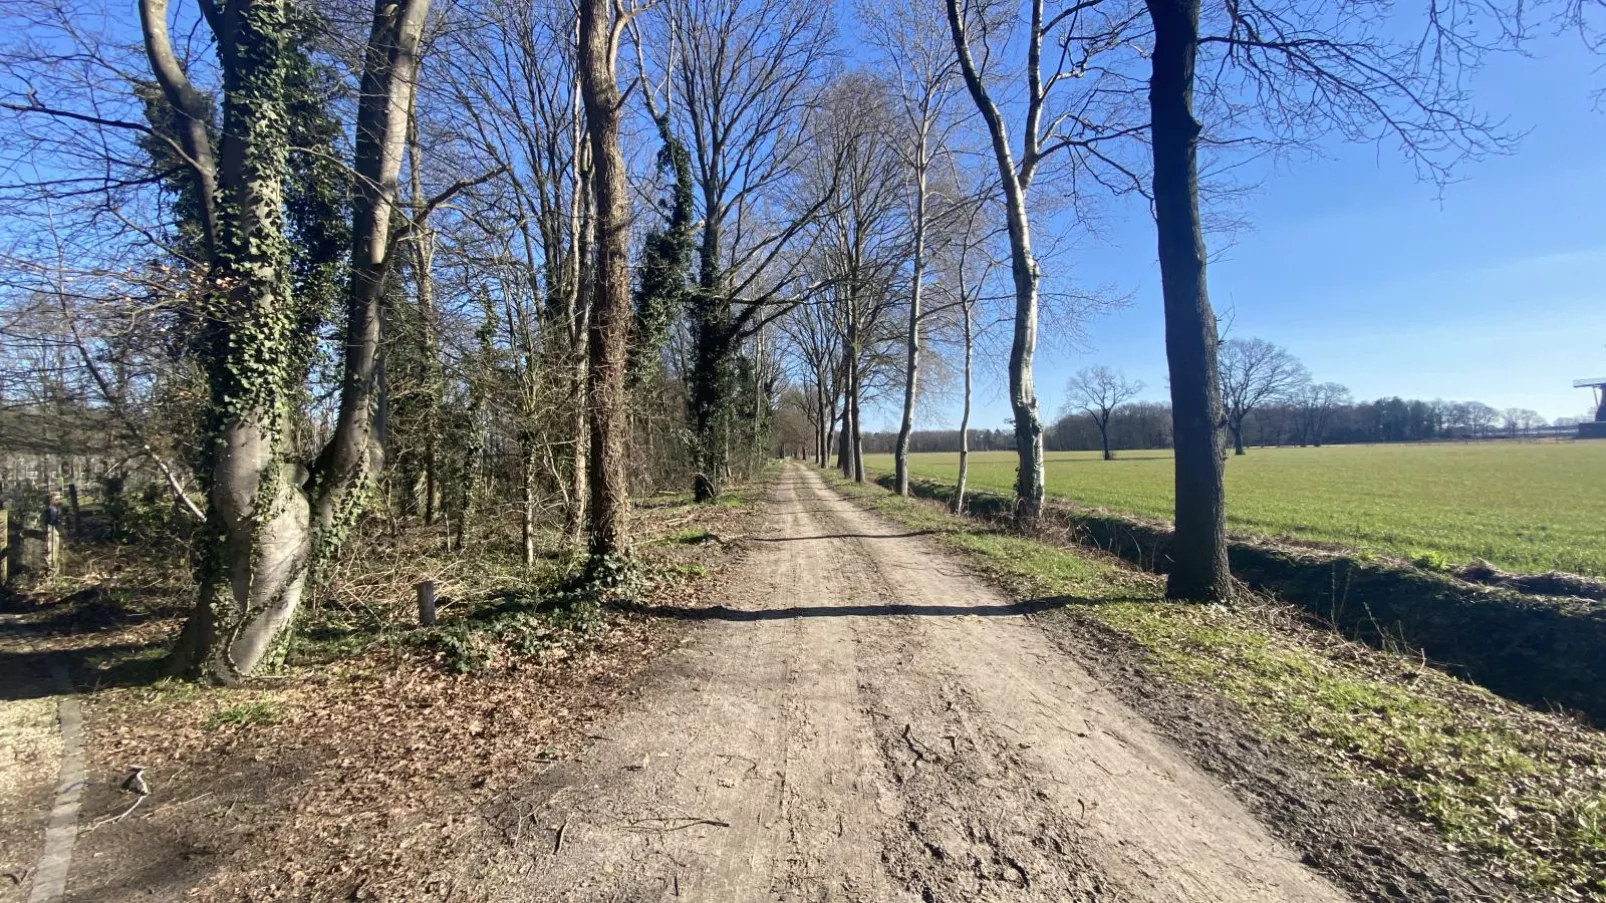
column 1541, row 650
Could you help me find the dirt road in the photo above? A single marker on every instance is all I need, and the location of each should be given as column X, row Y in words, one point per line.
column 864, row 721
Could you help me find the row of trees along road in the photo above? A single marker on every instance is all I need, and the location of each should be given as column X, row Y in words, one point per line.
column 1269, row 397
column 523, row 258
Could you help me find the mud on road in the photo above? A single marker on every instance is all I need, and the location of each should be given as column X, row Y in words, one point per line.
column 863, row 720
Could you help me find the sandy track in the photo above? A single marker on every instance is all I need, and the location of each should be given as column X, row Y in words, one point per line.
column 864, row 721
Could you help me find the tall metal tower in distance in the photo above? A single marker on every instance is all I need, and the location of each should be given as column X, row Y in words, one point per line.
column 1596, row 429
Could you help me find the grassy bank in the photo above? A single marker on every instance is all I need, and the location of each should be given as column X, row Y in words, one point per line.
column 1522, row 793
column 1523, row 505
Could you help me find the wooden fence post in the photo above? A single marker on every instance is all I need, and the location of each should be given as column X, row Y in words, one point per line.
column 426, row 603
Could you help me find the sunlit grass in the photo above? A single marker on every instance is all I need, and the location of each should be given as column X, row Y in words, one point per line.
column 1522, row 792
column 1522, row 505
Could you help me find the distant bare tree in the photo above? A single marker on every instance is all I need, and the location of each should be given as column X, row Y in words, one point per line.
column 1316, row 403
column 1098, row 392
column 815, row 345
column 1520, row 420
column 1255, row 372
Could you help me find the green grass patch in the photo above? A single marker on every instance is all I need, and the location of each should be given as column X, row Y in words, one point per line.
column 1527, row 506
column 243, row 715
column 1522, row 792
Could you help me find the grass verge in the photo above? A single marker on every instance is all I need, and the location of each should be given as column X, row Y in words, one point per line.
column 1519, row 792
column 1538, row 506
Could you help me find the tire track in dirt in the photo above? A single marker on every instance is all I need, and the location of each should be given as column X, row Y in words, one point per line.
column 864, row 721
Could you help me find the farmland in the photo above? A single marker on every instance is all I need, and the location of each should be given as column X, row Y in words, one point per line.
column 1522, row 506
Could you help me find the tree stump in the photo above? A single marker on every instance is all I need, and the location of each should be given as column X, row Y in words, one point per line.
column 426, row 603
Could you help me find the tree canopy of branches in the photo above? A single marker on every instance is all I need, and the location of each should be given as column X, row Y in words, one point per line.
column 744, row 75
column 260, row 260
column 1278, row 71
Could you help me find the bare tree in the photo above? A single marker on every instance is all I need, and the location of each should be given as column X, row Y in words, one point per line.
column 920, row 59
column 1317, row 402
column 1098, row 392
column 1077, row 33
column 816, row 347
column 969, row 257
column 859, row 240
column 516, row 86
column 1295, row 68
column 1254, row 372
column 745, row 73
column 601, row 24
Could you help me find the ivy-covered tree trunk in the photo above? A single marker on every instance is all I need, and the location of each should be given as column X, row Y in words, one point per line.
column 270, row 516
column 711, row 381
column 257, row 542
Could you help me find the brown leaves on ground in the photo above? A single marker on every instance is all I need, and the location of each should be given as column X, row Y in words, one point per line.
column 368, row 777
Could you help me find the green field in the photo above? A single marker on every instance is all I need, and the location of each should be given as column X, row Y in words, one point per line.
column 1523, row 506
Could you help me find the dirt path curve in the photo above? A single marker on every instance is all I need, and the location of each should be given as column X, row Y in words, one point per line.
column 866, row 722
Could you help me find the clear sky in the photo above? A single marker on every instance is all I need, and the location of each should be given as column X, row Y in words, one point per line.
column 1495, row 291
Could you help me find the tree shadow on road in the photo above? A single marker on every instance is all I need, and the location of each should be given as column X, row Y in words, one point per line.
column 777, row 539
column 959, row 610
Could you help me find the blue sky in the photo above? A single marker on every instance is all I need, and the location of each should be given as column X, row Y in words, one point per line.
column 1494, row 290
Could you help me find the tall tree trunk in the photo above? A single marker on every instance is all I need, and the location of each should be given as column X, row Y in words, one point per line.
column 1104, row 439
column 1023, row 268
column 912, row 364
column 390, row 70
column 833, row 441
column 580, row 443
column 820, row 417
column 260, row 544
column 1199, row 546
column 958, row 503
column 274, row 519
column 850, row 370
column 858, row 427
column 1237, row 429
column 1022, row 350
column 611, row 311
column 423, row 260
column 527, row 509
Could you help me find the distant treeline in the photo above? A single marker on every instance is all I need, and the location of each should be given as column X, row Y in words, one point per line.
column 1147, row 424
